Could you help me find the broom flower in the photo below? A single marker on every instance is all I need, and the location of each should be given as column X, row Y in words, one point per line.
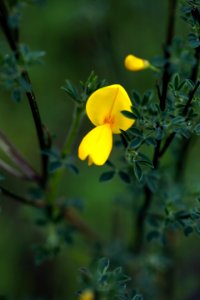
column 87, row 295
column 104, row 108
column 134, row 63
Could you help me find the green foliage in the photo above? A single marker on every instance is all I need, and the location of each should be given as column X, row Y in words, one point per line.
column 87, row 88
column 107, row 282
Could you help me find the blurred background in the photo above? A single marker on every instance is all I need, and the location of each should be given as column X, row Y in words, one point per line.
column 79, row 36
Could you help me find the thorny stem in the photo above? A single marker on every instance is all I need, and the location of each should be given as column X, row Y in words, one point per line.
column 140, row 221
column 9, row 34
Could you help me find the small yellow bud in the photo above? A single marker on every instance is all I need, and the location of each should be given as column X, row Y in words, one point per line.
column 133, row 63
column 87, row 295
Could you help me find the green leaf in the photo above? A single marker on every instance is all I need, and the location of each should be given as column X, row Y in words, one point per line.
column 148, row 95
column 197, row 129
column 136, row 132
column 55, row 165
column 193, row 40
column 137, row 297
column 16, row 95
column 72, row 168
column 143, row 159
column 103, row 265
column 136, row 142
column 136, row 97
column 124, row 176
column 138, row 171
column 107, row 176
column 70, row 89
column 176, row 80
column 150, row 141
column 128, row 114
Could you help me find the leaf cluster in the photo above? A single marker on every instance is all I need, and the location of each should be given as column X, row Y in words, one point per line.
column 86, row 88
column 106, row 282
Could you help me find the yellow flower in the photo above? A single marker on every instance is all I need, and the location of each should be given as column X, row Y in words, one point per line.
column 133, row 63
column 104, row 108
column 86, row 295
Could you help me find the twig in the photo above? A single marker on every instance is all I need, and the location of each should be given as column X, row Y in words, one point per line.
column 190, row 98
column 39, row 128
column 69, row 214
column 10, row 150
column 167, row 144
column 9, row 169
column 185, row 111
column 13, row 196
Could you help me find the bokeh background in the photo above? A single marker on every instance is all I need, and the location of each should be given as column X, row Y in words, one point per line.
column 79, row 36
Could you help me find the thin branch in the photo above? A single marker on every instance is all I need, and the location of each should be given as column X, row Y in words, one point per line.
column 30, row 95
column 39, row 127
column 190, row 98
column 140, row 222
column 9, row 169
column 167, row 144
column 69, row 214
column 6, row 29
column 185, row 111
column 10, row 150
column 22, row 200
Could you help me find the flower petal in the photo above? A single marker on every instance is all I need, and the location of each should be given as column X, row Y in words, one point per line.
column 96, row 145
column 133, row 63
column 105, row 106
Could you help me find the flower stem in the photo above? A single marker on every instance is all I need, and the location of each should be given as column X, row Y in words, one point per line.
column 56, row 180
column 77, row 117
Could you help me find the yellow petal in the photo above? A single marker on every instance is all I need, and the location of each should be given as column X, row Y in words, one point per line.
column 105, row 106
column 96, row 145
column 133, row 63
column 87, row 295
